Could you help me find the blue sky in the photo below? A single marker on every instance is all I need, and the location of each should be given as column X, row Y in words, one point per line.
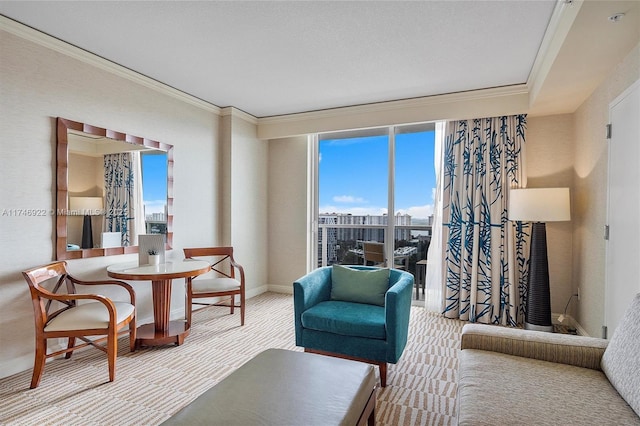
column 353, row 175
column 154, row 182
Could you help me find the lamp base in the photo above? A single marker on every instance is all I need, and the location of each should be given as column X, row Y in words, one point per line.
column 534, row 327
column 538, row 314
column 87, row 233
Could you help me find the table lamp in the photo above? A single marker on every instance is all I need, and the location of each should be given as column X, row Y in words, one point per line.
column 539, row 205
column 87, row 206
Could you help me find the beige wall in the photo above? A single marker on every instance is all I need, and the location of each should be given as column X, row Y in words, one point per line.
column 287, row 233
column 248, row 208
column 590, row 194
column 39, row 84
column 550, row 165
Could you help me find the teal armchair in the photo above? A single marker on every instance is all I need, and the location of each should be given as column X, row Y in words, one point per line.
column 360, row 331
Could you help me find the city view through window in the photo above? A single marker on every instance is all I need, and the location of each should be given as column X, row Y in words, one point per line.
column 354, row 197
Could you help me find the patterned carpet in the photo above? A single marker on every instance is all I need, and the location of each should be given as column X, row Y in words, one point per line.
column 152, row 384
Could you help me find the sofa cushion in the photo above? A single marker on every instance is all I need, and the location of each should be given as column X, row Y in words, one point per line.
column 360, row 286
column 499, row 389
column 621, row 359
column 346, row 318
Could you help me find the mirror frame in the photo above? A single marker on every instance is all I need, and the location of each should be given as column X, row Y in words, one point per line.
column 62, row 187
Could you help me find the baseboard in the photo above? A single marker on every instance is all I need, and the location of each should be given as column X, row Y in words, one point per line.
column 286, row 289
column 569, row 321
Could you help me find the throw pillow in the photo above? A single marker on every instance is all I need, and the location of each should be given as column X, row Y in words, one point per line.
column 361, row 286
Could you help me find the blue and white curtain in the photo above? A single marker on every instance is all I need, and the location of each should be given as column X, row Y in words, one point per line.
column 123, row 197
column 484, row 256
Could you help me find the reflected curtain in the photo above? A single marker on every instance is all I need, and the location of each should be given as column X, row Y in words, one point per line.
column 484, row 256
column 122, row 197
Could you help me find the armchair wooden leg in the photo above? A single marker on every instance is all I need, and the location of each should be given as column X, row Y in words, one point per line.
column 383, row 374
column 71, row 343
column 112, row 352
column 132, row 336
column 242, row 309
column 38, row 365
column 232, row 302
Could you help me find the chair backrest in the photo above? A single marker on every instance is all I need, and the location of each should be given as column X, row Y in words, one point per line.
column 221, row 254
column 56, row 273
column 373, row 252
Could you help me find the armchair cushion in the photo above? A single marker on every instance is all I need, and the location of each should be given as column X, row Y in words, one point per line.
column 347, row 319
column 360, row 286
column 93, row 315
column 207, row 285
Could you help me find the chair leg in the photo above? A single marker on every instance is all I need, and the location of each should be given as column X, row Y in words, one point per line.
column 112, row 352
column 189, row 304
column 232, row 302
column 71, row 343
column 132, row 335
column 38, row 365
column 242, row 309
column 383, row 374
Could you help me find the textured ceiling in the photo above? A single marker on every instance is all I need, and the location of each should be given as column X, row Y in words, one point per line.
column 270, row 58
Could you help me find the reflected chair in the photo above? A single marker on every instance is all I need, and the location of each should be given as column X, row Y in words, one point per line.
column 350, row 313
column 78, row 316
column 223, row 283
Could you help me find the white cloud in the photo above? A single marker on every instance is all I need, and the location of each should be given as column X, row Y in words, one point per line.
column 418, row 212
column 356, row 211
column 154, row 206
column 348, row 199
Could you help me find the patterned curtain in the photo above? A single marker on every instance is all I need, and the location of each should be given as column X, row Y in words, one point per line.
column 120, row 195
column 485, row 257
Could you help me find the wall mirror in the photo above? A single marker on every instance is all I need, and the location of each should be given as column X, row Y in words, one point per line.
column 111, row 188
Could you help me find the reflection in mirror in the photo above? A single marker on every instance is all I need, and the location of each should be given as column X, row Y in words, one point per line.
column 112, row 187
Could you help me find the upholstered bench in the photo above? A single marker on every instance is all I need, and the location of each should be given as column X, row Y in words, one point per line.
column 281, row 387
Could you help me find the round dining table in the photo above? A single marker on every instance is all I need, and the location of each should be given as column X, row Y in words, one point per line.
column 163, row 331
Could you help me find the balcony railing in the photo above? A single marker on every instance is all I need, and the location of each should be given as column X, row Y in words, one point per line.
column 342, row 244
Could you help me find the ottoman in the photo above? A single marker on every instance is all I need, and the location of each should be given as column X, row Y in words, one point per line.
column 282, row 387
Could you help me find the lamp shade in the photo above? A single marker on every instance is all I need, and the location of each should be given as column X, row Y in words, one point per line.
column 539, row 205
column 91, row 206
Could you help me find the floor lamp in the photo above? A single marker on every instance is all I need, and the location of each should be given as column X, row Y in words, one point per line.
column 87, row 206
column 539, row 205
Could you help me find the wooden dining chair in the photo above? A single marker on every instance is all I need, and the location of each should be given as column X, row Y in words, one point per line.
column 223, row 284
column 95, row 315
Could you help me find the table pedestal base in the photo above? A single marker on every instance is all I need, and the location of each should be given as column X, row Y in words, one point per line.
column 147, row 335
column 162, row 331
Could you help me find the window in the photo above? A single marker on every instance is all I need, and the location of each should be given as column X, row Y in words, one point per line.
column 363, row 175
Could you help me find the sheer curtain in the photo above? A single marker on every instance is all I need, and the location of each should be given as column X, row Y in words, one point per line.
column 482, row 255
column 123, row 196
column 434, row 288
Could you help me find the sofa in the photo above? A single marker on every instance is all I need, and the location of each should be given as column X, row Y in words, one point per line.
column 513, row 376
column 354, row 312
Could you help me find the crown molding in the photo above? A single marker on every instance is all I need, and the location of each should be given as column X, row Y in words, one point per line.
column 562, row 18
column 511, row 99
column 238, row 113
column 45, row 40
